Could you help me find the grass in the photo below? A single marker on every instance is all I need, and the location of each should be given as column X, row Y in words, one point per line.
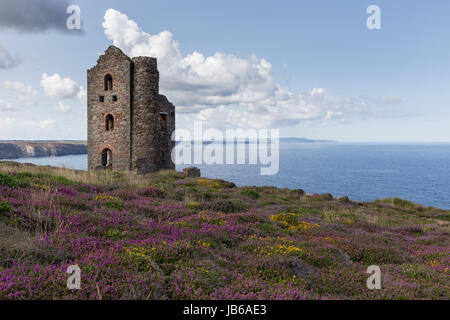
column 164, row 236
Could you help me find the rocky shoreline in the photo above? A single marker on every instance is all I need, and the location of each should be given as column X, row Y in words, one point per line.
column 15, row 150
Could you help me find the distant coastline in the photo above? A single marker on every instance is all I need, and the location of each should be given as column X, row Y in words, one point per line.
column 15, row 149
column 37, row 149
column 304, row 140
column 247, row 141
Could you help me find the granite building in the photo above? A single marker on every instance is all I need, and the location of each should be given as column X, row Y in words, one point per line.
column 129, row 123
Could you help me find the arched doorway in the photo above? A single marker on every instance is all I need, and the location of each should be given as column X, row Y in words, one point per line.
column 107, row 158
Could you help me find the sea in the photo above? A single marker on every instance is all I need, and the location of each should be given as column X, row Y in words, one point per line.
column 419, row 172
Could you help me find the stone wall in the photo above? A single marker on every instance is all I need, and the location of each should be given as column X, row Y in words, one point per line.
column 166, row 142
column 119, row 66
column 145, row 128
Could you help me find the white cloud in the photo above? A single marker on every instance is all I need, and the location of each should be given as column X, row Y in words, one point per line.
column 8, row 60
column 223, row 89
column 82, row 96
column 14, row 127
column 26, row 94
column 284, row 108
column 6, row 106
column 61, row 88
column 63, row 108
column 389, row 99
column 193, row 81
column 38, row 124
column 6, row 123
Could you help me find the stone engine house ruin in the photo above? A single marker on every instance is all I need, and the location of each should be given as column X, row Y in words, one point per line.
column 129, row 123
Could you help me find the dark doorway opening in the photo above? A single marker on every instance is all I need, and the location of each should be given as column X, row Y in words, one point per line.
column 107, row 158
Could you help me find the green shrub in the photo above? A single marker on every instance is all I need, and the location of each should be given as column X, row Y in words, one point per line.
column 207, row 196
column 305, row 211
column 416, row 271
column 226, row 184
column 444, row 216
column 225, row 206
column 251, row 193
column 397, row 202
column 170, row 175
column 5, row 211
column 8, row 180
column 112, row 204
column 114, row 234
column 374, row 255
column 344, row 199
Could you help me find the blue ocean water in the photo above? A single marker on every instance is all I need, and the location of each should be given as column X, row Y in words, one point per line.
column 416, row 172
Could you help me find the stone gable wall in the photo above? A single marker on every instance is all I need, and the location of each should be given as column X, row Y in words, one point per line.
column 115, row 63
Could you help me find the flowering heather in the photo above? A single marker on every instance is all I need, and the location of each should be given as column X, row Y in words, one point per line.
column 165, row 236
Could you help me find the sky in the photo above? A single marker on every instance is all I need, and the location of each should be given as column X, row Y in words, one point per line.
column 310, row 68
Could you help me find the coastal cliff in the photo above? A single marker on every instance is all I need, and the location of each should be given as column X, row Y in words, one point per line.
column 15, row 150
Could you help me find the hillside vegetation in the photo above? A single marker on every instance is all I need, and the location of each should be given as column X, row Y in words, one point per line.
column 164, row 236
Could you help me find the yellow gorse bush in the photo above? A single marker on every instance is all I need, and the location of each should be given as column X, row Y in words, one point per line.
column 411, row 270
column 139, row 252
column 102, row 197
column 303, row 226
column 208, row 183
column 279, row 250
column 193, row 205
column 291, row 280
column 111, row 233
column 435, row 264
column 330, row 239
column 289, row 220
column 41, row 186
column 277, row 239
column 141, row 256
column 204, row 244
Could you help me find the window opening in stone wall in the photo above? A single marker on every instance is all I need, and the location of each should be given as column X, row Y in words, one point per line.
column 108, row 82
column 109, row 122
column 163, row 121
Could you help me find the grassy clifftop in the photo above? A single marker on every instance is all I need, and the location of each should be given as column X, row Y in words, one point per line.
column 165, row 236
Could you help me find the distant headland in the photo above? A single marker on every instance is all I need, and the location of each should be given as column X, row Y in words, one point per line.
column 35, row 149
column 14, row 149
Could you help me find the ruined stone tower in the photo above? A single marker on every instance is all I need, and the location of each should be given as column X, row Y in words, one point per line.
column 129, row 123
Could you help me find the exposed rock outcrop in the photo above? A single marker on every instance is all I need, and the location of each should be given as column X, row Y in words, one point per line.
column 191, row 172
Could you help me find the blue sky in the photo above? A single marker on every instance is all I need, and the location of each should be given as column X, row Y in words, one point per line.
column 311, row 68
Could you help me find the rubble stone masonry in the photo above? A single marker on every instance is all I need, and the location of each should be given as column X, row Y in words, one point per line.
column 129, row 123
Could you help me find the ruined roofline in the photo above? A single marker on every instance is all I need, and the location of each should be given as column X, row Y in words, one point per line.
column 148, row 60
column 152, row 60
